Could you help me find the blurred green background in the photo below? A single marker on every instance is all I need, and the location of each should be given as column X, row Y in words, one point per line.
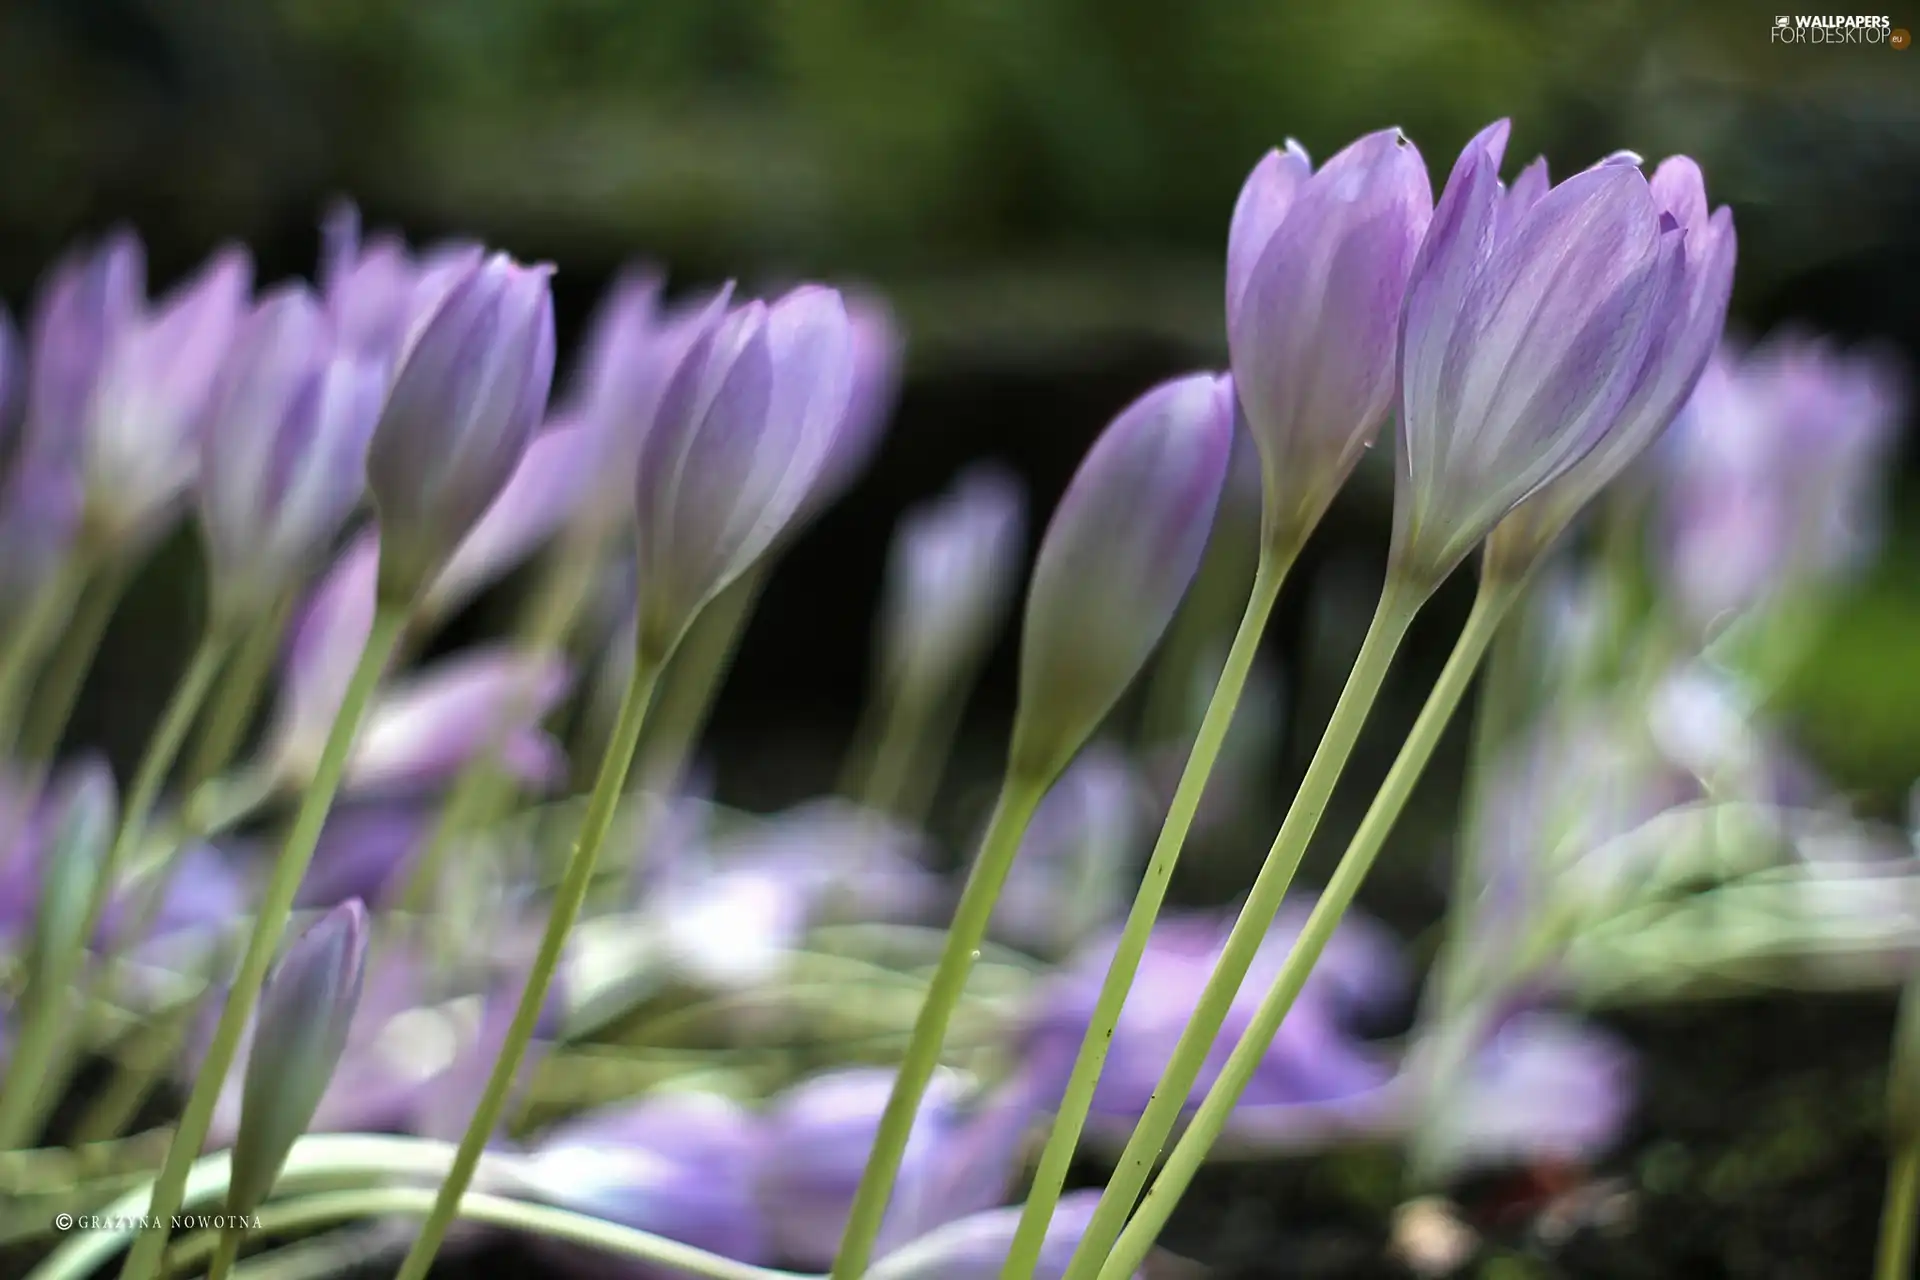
column 1041, row 186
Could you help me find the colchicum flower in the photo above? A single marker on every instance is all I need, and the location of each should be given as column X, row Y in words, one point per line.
column 1538, row 323
column 1771, row 477
column 744, row 428
column 951, row 575
column 1116, row 560
column 306, row 1010
column 145, row 420
column 284, row 458
column 379, row 295
column 463, row 407
column 1679, row 354
column 1317, row 267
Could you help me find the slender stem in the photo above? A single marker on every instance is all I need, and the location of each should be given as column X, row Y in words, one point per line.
column 483, row 790
column 1399, row 603
column 59, row 688
column 153, row 1050
column 226, row 1252
column 607, row 789
column 28, row 641
column 41, row 1060
column 1057, row 1156
column 498, row 1211
column 1894, row 1260
column 1019, row 797
column 1492, row 604
column 1449, row 1033
column 693, row 679
column 231, row 712
column 276, row 906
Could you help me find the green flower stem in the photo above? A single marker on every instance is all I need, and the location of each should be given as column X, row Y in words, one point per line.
column 601, row 807
column 498, row 1211
column 908, row 715
column 226, row 1252
column 1495, row 599
column 52, row 704
column 692, row 682
column 231, row 713
column 30, row 639
column 483, row 792
column 276, row 906
column 1057, row 1156
column 42, row 1060
column 1450, row 1032
column 1894, row 1260
column 1019, row 797
column 1399, row 603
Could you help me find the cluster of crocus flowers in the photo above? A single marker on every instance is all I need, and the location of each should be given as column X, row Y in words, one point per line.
column 365, row 456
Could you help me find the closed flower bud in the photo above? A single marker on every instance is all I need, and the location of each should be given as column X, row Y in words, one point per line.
column 378, row 295
column 1529, row 333
column 71, row 864
column 743, row 429
column 951, row 576
column 144, row 430
column 1116, row 560
column 1690, row 327
column 1317, row 267
column 86, row 304
column 306, row 1009
column 464, row 405
column 283, row 463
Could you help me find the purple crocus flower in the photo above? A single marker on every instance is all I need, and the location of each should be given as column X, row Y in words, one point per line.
column 306, row 1011
column 879, row 351
column 744, row 427
column 364, row 853
column 1070, row 875
column 423, row 730
column 1771, row 479
column 284, row 457
column 950, row 577
column 1537, row 326
column 148, row 411
column 1316, row 1072
column 960, row 1158
column 87, row 302
column 378, row 294
column 677, row 1164
column 464, row 405
column 1317, row 266
column 1116, row 560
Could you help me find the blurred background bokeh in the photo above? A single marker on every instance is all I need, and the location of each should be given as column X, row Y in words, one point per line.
column 1041, row 187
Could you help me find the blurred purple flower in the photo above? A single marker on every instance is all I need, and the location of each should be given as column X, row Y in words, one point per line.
column 1317, row 267
column 960, row 1158
column 1533, row 324
column 1774, row 476
column 284, row 456
column 1070, row 877
column 85, row 305
column 951, row 574
column 879, row 350
column 677, row 1164
column 1115, row 562
column 464, row 405
column 148, row 413
column 364, row 853
column 378, row 294
column 1316, row 1073
column 423, row 729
